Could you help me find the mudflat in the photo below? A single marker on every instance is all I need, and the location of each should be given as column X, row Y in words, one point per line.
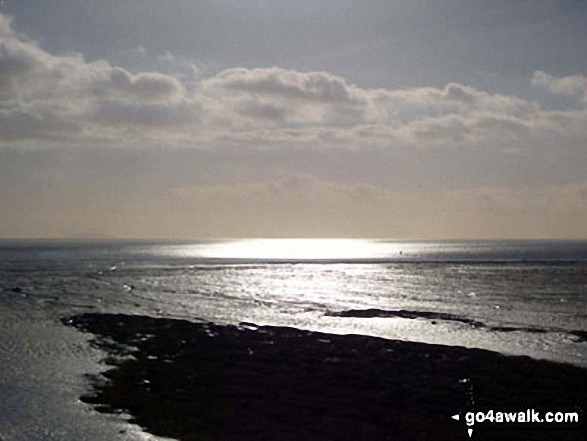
column 202, row 381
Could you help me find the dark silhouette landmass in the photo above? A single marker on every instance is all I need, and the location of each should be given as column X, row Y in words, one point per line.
column 201, row 381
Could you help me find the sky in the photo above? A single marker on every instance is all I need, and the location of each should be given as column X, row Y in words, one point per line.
column 259, row 118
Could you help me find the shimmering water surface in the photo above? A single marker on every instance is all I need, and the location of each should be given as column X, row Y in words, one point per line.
column 529, row 296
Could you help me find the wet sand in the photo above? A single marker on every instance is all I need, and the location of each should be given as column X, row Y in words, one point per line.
column 201, row 381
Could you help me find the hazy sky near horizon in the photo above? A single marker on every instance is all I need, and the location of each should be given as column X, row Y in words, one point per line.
column 258, row 118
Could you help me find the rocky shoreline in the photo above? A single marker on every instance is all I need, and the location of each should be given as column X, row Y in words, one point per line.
column 202, row 381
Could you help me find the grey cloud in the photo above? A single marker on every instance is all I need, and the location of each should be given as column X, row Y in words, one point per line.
column 26, row 70
column 19, row 63
column 146, row 86
column 57, row 98
column 460, row 129
column 5, row 25
column 271, row 137
column 571, row 123
column 18, row 125
column 313, row 86
column 120, row 113
column 318, row 97
column 504, row 125
column 375, row 131
column 451, row 129
column 278, row 96
column 45, row 96
column 345, row 115
column 334, row 136
column 254, row 109
column 454, row 98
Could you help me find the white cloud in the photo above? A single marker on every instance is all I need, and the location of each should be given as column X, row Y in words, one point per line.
column 455, row 129
column 45, row 97
column 274, row 81
column 151, row 86
column 570, row 85
column 50, row 99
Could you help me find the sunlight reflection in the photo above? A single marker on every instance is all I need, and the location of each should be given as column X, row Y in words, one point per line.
column 299, row 249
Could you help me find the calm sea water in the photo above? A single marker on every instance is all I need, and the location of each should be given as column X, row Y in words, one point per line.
column 526, row 284
column 516, row 297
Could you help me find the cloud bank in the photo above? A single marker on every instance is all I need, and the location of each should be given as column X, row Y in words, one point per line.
column 48, row 99
column 276, row 152
column 575, row 85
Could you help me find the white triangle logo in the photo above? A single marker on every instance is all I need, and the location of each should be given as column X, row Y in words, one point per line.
column 470, row 432
column 455, row 417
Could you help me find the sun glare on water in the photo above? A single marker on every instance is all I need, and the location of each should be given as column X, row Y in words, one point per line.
column 297, row 249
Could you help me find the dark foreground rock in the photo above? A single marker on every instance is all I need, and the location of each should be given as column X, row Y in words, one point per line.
column 196, row 381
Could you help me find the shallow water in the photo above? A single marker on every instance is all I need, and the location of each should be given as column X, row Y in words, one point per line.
column 536, row 288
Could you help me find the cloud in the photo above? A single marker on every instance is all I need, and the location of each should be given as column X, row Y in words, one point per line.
column 454, row 99
column 325, row 110
column 44, row 97
column 144, row 86
column 259, row 110
column 323, row 98
column 21, row 64
column 566, row 125
column 309, row 86
column 278, row 96
column 48, row 99
column 15, row 125
column 570, row 85
column 459, row 129
column 117, row 113
column 5, row 25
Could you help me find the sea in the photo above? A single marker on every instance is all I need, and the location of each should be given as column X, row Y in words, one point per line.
column 517, row 297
